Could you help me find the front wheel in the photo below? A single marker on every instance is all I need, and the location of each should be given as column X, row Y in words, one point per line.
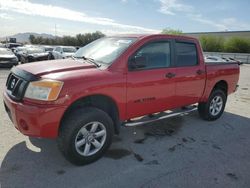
column 214, row 107
column 85, row 135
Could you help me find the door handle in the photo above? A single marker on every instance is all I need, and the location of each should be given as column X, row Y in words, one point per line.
column 199, row 72
column 170, row 75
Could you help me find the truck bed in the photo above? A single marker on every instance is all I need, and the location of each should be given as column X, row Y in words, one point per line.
column 221, row 71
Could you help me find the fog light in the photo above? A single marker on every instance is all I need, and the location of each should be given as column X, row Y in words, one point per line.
column 24, row 125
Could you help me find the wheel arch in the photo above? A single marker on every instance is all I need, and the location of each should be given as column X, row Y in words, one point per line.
column 100, row 101
column 223, row 85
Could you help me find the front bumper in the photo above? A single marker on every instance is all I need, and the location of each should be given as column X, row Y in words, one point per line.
column 41, row 58
column 34, row 120
column 8, row 64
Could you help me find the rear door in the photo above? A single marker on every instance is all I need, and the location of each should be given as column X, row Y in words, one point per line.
column 150, row 86
column 190, row 73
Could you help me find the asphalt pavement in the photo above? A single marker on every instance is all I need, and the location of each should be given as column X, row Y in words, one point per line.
column 179, row 152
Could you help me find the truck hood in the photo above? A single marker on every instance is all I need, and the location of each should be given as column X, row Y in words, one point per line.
column 55, row 66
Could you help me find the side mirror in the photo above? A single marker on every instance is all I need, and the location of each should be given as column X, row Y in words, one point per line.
column 137, row 62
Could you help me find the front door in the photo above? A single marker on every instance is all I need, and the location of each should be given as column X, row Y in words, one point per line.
column 150, row 80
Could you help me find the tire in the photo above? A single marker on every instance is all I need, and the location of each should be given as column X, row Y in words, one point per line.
column 22, row 60
column 212, row 110
column 51, row 57
column 75, row 135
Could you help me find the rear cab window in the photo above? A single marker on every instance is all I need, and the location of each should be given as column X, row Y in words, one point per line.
column 185, row 54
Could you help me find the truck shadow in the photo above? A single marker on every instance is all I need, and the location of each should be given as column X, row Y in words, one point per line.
column 44, row 165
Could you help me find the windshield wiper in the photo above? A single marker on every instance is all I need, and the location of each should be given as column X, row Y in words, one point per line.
column 90, row 60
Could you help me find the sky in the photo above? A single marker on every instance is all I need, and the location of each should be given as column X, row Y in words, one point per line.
column 70, row 17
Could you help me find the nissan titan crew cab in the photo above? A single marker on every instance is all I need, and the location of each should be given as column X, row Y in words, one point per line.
column 83, row 101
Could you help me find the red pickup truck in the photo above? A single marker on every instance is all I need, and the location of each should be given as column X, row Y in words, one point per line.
column 83, row 101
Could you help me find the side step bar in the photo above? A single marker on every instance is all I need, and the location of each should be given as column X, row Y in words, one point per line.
column 160, row 116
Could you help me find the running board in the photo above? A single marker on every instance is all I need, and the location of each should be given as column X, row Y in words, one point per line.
column 160, row 116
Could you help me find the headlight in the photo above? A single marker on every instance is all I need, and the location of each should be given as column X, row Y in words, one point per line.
column 46, row 90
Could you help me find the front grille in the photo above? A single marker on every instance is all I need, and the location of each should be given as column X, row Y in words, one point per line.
column 17, row 83
column 16, row 86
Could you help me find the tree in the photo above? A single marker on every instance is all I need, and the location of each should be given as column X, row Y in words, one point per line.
column 32, row 39
column 237, row 45
column 212, row 43
column 78, row 40
column 171, row 31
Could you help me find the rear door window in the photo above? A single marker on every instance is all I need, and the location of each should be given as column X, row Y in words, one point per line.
column 186, row 54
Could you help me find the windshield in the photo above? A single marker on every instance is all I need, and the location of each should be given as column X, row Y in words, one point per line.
column 105, row 50
column 4, row 51
column 69, row 50
column 18, row 49
column 48, row 49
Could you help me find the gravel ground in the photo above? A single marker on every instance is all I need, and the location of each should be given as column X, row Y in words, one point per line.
column 179, row 152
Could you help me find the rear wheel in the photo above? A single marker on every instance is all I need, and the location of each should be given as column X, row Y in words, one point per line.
column 23, row 60
column 214, row 107
column 85, row 135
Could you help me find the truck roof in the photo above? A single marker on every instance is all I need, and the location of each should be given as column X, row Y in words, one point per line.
column 153, row 35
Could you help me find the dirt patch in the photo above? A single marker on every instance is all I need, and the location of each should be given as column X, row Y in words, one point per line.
column 191, row 139
column 140, row 140
column 184, row 140
column 245, row 98
column 117, row 139
column 153, row 162
column 216, row 147
column 159, row 129
column 188, row 140
column 232, row 176
column 117, row 153
column 164, row 128
column 173, row 148
column 14, row 168
column 60, row 172
column 138, row 157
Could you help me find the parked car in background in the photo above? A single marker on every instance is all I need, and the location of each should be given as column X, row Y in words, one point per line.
column 18, row 51
column 62, row 52
column 33, row 54
column 2, row 45
column 48, row 48
column 7, row 58
column 12, row 46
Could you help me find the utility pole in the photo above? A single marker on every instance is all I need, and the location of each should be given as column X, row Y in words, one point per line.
column 55, row 30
